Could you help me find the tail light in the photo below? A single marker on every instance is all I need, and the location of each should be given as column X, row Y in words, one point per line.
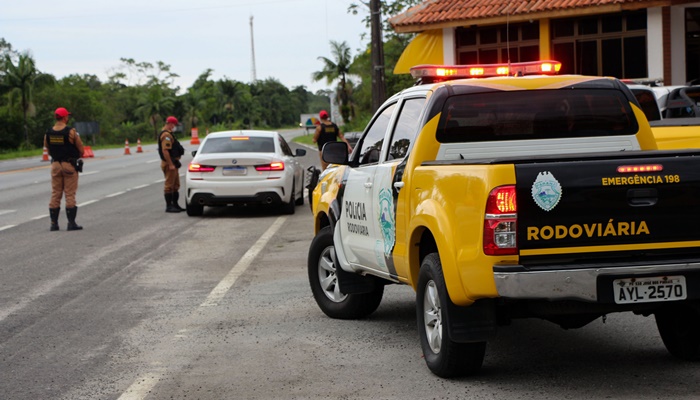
column 200, row 168
column 274, row 166
column 500, row 222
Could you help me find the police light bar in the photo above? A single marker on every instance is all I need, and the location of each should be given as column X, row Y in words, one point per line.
column 436, row 73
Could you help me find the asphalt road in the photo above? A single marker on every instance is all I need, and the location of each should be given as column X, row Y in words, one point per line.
column 147, row 305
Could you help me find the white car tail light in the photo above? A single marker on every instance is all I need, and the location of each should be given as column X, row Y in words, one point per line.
column 273, row 166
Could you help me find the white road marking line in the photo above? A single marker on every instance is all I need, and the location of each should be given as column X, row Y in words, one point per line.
column 115, row 194
column 39, row 217
column 141, row 186
column 220, row 290
column 152, row 161
column 87, row 202
column 2, row 228
column 160, row 181
column 88, row 173
column 141, row 387
column 3, row 212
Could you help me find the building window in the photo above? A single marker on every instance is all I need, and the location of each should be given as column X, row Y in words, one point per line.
column 498, row 44
column 606, row 45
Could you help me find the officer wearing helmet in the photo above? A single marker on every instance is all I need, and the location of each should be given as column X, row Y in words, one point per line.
column 65, row 148
column 170, row 151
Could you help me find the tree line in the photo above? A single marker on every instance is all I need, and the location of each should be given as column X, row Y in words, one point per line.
column 134, row 101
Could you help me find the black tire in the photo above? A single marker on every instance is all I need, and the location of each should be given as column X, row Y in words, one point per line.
column 445, row 358
column 194, row 210
column 300, row 200
column 290, row 208
column 324, row 283
column 679, row 327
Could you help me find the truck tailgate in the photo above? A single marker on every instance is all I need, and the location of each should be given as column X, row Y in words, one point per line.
column 589, row 209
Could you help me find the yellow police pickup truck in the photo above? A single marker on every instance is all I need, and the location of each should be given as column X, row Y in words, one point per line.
column 520, row 195
column 673, row 113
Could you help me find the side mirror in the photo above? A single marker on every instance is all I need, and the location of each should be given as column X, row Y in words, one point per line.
column 300, row 153
column 194, row 152
column 335, row 153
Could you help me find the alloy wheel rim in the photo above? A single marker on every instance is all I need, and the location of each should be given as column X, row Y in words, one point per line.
column 432, row 317
column 327, row 276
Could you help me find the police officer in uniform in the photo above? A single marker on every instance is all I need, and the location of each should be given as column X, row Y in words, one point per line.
column 327, row 131
column 65, row 148
column 170, row 152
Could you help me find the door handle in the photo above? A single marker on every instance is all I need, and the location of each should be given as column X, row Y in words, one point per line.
column 368, row 185
column 642, row 197
column 398, row 185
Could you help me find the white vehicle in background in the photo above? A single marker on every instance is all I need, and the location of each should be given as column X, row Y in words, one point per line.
column 244, row 167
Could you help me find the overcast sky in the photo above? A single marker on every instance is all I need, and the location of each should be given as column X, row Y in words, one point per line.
column 90, row 36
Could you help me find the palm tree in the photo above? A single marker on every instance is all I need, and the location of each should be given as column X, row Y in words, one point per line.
column 19, row 80
column 153, row 104
column 338, row 69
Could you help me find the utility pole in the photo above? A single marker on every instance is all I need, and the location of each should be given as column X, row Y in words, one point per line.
column 253, row 76
column 378, row 82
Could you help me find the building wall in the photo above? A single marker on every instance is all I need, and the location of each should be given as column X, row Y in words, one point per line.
column 655, row 46
column 678, row 71
column 449, row 46
column 655, row 43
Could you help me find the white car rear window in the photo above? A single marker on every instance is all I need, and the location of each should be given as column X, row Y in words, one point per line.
column 238, row 145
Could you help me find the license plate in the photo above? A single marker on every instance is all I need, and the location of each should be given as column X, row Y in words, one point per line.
column 235, row 170
column 646, row 290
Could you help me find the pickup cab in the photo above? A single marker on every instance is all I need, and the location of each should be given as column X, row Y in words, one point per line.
column 521, row 195
column 673, row 113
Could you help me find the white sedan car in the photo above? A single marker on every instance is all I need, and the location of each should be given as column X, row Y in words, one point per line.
column 244, row 167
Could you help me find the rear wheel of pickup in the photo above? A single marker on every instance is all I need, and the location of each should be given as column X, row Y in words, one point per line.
column 444, row 357
column 324, row 283
column 679, row 327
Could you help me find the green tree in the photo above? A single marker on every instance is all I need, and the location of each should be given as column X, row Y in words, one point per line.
column 153, row 104
column 198, row 98
column 338, row 69
column 20, row 81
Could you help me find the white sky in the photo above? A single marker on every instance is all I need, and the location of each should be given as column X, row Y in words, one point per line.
column 90, row 36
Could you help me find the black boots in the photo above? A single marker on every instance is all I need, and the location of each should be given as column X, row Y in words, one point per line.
column 71, row 213
column 169, row 207
column 53, row 212
column 176, row 197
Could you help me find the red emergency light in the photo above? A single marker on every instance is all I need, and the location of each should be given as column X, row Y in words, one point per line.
column 436, row 73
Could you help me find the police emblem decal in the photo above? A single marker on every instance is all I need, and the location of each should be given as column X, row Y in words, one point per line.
column 386, row 220
column 546, row 191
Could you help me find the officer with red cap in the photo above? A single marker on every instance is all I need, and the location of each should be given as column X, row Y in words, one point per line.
column 65, row 148
column 327, row 131
column 170, row 151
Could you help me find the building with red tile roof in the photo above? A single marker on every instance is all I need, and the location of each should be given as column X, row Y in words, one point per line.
column 632, row 39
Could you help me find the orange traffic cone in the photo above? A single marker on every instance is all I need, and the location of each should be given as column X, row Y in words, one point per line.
column 138, row 146
column 195, row 136
column 126, row 148
column 45, row 157
column 87, row 152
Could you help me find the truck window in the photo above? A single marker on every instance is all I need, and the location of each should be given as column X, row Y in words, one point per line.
column 371, row 143
column 542, row 114
column 406, row 128
column 647, row 102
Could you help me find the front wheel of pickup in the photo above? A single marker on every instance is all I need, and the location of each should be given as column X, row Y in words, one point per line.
column 679, row 327
column 324, row 283
column 444, row 357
